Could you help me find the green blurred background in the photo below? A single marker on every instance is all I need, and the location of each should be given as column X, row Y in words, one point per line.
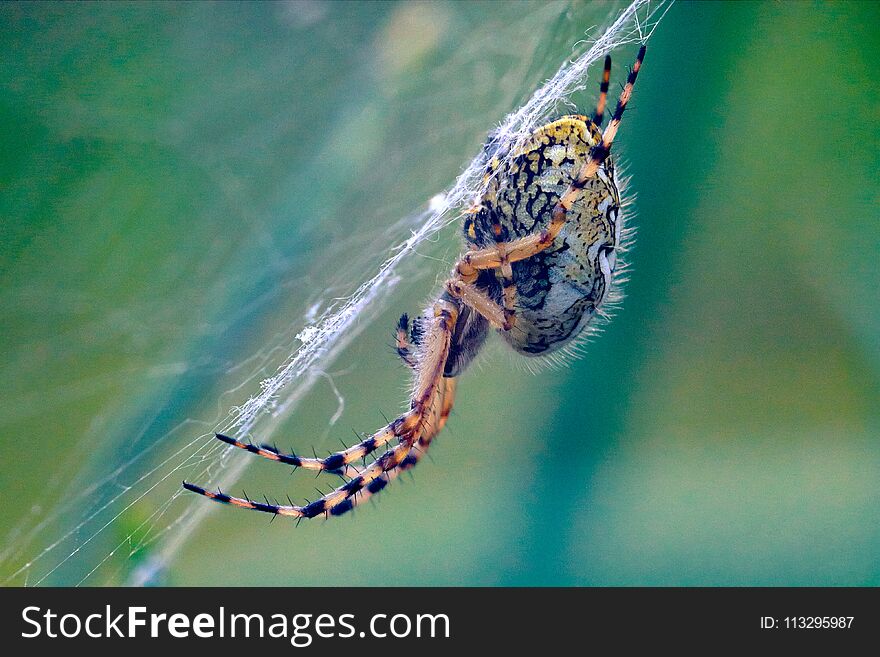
column 181, row 183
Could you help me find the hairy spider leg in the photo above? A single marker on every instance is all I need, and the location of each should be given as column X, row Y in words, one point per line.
column 446, row 400
column 411, row 425
column 526, row 247
column 603, row 93
column 444, row 408
column 470, row 295
column 404, row 346
column 336, row 463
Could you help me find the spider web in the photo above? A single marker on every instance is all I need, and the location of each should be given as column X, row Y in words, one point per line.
column 43, row 550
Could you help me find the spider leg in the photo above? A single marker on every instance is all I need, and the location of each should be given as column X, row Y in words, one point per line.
column 603, row 92
column 336, row 463
column 409, row 428
column 506, row 272
column 446, row 400
column 470, row 295
column 444, row 408
column 509, row 292
column 404, row 347
column 526, row 247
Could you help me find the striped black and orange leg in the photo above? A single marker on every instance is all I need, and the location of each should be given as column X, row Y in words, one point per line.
column 337, row 463
column 420, row 448
column 526, row 247
column 444, row 408
column 599, row 116
column 408, row 428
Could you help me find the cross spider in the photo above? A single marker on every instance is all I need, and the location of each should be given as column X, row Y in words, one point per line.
column 540, row 262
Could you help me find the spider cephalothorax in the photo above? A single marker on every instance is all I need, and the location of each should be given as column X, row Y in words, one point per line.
column 542, row 240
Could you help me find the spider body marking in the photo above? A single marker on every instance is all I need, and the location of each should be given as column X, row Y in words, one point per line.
column 540, row 262
column 558, row 290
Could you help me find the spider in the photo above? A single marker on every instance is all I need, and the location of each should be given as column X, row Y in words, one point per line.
column 541, row 257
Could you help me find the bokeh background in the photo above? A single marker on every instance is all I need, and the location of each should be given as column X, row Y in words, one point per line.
column 181, row 183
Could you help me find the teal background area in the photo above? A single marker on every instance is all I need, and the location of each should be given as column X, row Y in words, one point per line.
column 181, row 183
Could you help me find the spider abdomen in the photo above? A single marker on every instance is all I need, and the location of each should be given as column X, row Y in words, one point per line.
column 559, row 290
